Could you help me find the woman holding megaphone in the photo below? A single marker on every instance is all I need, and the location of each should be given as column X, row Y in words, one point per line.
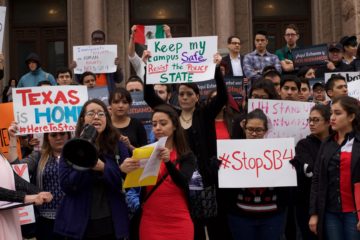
column 94, row 205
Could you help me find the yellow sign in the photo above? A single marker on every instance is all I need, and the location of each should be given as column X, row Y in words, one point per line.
column 133, row 178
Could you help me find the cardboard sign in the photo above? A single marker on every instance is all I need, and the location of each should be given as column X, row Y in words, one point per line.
column 287, row 118
column 7, row 116
column 26, row 213
column 142, row 112
column 310, row 56
column 256, row 163
column 181, row 60
column 353, row 82
column 48, row 109
column 2, row 26
column 95, row 58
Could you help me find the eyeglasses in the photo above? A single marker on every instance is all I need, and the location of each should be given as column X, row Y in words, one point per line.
column 235, row 43
column 255, row 130
column 55, row 134
column 93, row 114
column 314, row 120
column 290, row 34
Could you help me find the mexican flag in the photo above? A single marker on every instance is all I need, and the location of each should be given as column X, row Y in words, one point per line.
column 143, row 33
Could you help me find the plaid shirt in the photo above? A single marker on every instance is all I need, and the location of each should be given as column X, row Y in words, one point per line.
column 254, row 63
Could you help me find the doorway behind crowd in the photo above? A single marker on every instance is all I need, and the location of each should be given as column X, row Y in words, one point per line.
column 37, row 26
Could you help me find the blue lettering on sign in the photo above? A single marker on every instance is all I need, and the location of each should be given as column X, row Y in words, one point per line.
column 58, row 114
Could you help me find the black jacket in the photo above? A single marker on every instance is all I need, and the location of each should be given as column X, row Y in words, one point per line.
column 203, row 128
column 320, row 179
column 226, row 62
column 339, row 67
column 306, row 151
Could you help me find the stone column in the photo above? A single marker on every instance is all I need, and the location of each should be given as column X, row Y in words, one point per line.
column 350, row 10
column 93, row 18
column 224, row 20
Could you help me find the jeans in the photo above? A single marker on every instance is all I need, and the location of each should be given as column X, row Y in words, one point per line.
column 261, row 228
column 341, row 226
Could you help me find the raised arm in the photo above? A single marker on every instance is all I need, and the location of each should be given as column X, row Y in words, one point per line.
column 221, row 98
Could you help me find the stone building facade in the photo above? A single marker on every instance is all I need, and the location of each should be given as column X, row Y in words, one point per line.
column 328, row 20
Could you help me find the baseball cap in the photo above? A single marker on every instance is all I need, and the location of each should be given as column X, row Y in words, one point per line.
column 335, row 46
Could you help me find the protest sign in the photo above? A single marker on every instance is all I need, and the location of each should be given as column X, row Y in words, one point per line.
column 310, row 56
column 349, row 76
column 48, row 109
column 256, row 163
column 101, row 93
column 234, row 87
column 148, row 172
column 2, row 25
column 26, row 213
column 181, row 60
column 353, row 82
column 95, row 58
column 7, row 116
column 142, row 112
column 287, row 118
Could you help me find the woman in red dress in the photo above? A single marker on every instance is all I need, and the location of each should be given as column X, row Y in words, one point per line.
column 165, row 213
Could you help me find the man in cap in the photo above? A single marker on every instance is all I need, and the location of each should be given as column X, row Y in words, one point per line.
column 350, row 46
column 335, row 63
column 270, row 73
column 36, row 74
column 318, row 91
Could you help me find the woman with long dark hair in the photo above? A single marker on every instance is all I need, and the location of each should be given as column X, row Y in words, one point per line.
column 165, row 213
column 132, row 132
column 44, row 166
column 94, row 204
column 306, row 151
column 198, row 121
column 335, row 189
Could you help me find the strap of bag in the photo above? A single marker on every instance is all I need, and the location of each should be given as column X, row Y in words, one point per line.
column 155, row 187
column 158, row 184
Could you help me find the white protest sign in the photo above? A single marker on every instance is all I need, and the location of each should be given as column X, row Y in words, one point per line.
column 48, row 108
column 287, row 118
column 353, row 82
column 256, row 163
column 95, row 58
column 181, row 60
column 2, row 25
column 26, row 213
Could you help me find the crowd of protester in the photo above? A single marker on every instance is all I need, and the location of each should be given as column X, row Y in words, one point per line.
column 92, row 204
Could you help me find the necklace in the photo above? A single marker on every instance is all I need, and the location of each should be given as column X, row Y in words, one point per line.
column 186, row 120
